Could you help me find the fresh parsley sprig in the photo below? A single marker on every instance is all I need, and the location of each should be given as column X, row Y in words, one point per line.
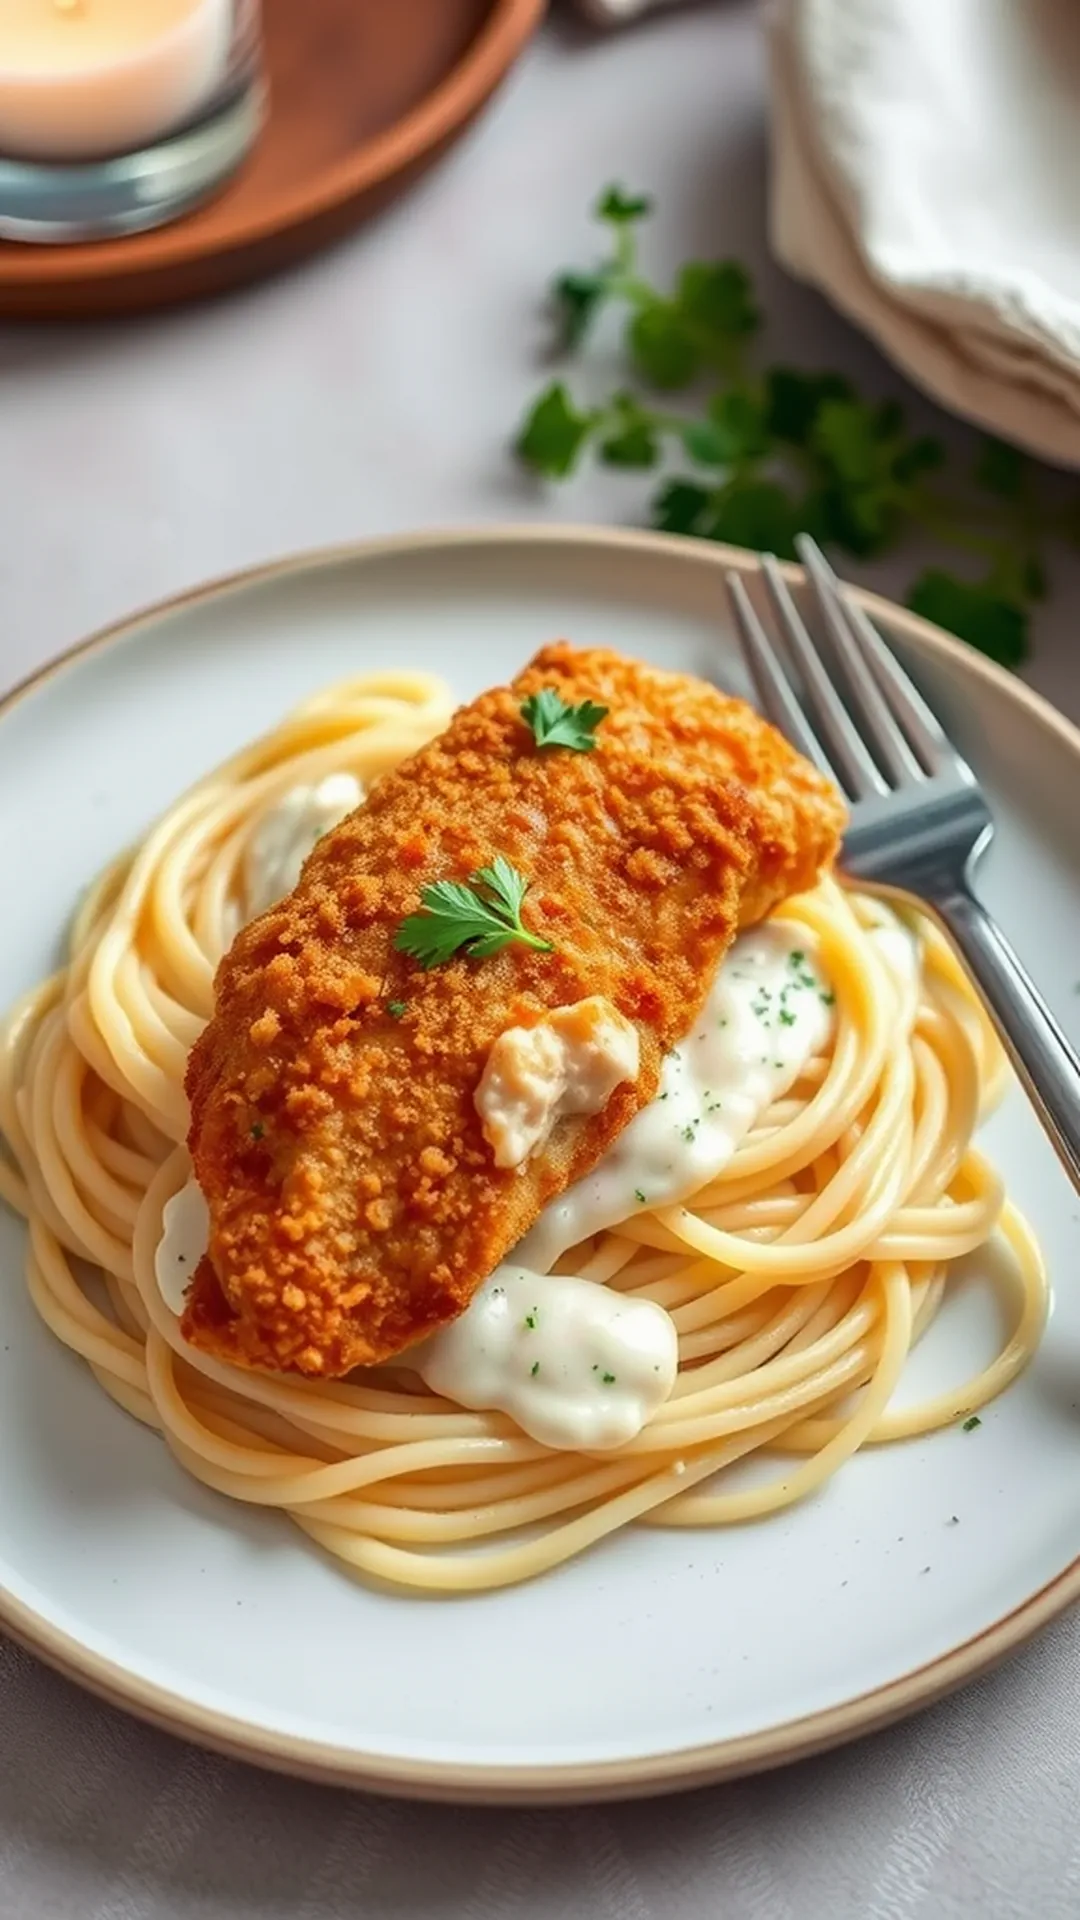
column 556, row 724
column 775, row 451
column 477, row 917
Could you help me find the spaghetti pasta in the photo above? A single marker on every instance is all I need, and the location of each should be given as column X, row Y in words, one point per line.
column 797, row 1280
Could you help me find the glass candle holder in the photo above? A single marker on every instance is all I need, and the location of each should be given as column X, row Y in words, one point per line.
column 118, row 115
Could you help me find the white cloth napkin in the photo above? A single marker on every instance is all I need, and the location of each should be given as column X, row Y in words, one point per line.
column 926, row 154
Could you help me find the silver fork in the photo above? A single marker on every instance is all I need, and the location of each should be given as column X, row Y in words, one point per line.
column 918, row 818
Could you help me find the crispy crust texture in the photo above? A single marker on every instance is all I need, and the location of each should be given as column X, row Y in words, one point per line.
column 355, row 1205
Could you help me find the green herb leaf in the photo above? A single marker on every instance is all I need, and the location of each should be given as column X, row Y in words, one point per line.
column 620, row 207
column 631, row 440
column 972, row 1422
column 719, row 298
column 924, row 454
column 554, row 433
column 576, row 297
column 793, row 399
column 734, row 431
column 662, row 347
column 858, row 446
column 784, row 449
column 755, row 513
column 395, row 1008
column 477, row 918
column 977, row 613
column 555, row 724
column 1001, row 469
column 680, row 507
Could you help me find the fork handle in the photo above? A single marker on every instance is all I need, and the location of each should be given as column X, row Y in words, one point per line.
column 1046, row 1062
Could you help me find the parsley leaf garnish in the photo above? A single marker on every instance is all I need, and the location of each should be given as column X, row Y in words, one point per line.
column 976, row 613
column 631, row 438
column 555, row 724
column 769, row 451
column 576, row 297
column 395, row 1008
column 621, row 208
column 477, row 917
column 554, row 434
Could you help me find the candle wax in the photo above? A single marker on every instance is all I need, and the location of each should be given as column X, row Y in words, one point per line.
column 82, row 79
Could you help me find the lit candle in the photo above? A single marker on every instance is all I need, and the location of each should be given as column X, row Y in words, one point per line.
column 81, row 79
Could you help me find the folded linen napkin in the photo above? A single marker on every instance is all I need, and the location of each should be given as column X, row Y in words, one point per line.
column 924, row 160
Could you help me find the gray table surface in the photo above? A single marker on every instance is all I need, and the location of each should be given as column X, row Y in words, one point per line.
column 372, row 391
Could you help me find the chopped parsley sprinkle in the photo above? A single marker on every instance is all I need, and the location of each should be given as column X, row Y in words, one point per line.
column 688, row 1132
column 787, row 1019
column 972, row 1422
column 395, row 1008
column 531, row 1319
column 182, row 1257
column 608, row 1379
column 796, row 957
column 828, row 999
column 257, row 1130
column 535, row 1368
column 639, row 1196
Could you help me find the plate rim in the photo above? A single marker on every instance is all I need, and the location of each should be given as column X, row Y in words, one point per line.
column 577, row 1782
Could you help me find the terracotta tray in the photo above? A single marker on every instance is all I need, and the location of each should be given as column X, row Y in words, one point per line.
column 364, row 95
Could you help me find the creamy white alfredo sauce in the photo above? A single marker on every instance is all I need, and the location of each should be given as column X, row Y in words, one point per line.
column 574, row 1363
column 285, row 835
column 768, row 1012
column 185, row 1224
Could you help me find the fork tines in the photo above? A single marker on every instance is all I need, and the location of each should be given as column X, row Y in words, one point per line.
column 874, row 731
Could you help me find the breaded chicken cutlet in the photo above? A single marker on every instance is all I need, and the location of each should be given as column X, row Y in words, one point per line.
column 355, row 1198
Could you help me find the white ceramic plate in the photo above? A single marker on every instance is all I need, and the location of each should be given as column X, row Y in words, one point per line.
column 663, row 1657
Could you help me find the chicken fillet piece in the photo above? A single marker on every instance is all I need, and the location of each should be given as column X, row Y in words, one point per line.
column 355, row 1202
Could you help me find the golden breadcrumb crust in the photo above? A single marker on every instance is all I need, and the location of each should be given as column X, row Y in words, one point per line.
column 355, row 1205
